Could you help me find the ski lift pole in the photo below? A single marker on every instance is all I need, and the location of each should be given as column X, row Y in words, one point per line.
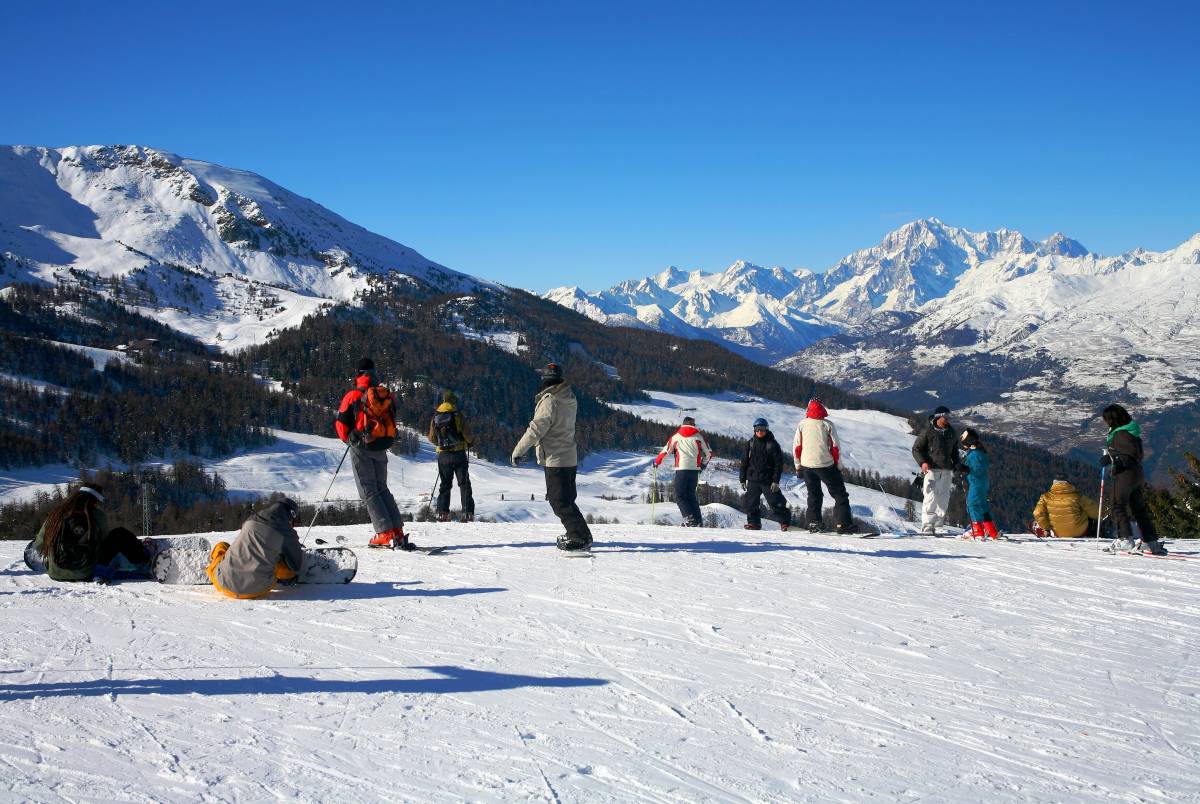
column 326, row 495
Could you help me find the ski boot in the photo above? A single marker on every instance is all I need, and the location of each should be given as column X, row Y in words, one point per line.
column 814, row 527
column 1120, row 545
column 383, row 539
column 1154, row 548
column 783, row 526
column 751, row 526
column 571, row 543
column 989, row 531
column 467, row 517
column 443, row 516
column 846, row 530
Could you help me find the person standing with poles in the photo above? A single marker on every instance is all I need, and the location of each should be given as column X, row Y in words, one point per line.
column 448, row 433
column 935, row 450
column 1124, row 454
column 692, row 453
column 762, row 467
column 551, row 434
column 366, row 420
column 817, row 453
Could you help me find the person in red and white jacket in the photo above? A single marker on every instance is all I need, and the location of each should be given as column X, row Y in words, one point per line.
column 691, row 454
column 817, row 453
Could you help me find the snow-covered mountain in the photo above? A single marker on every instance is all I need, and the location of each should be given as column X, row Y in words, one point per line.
column 770, row 313
column 1029, row 337
column 220, row 253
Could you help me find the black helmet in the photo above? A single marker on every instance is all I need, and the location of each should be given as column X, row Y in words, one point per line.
column 968, row 439
column 760, row 424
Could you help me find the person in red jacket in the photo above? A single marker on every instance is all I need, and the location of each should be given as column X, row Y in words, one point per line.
column 817, row 453
column 691, row 453
column 366, row 420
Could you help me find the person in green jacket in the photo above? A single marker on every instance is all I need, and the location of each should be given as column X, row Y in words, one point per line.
column 77, row 544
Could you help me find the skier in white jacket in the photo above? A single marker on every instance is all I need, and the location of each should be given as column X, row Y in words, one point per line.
column 691, row 453
column 817, row 453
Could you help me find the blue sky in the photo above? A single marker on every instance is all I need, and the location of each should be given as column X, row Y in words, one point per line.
column 541, row 144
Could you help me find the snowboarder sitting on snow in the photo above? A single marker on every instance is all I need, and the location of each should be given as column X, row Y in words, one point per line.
column 77, row 544
column 1124, row 454
column 448, row 433
column 1064, row 512
column 266, row 550
column 975, row 466
column 934, row 449
column 816, row 450
column 691, row 454
column 762, row 466
column 551, row 434
column 366, row 420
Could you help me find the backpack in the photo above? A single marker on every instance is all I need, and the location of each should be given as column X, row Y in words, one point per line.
column 73, row 545
column 379, row 420
column 446, row 430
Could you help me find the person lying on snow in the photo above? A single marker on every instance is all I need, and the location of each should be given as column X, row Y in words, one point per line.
column 77, row 544
column 267, row 550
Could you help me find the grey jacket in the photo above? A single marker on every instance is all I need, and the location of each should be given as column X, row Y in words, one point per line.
column 552, row 430
column 266, row 537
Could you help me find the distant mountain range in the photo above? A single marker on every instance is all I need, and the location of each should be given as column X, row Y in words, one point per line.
column 1026, row 337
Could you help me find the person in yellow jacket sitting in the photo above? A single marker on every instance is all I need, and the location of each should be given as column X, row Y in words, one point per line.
column 1064, row 512
column 267, row 550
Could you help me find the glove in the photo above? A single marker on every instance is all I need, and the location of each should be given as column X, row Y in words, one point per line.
column 1120, row 463
column 1106, row 459
column 961, row 470
column 516, row 460
column 775, row 488
column 355, row 437
column 799, row 471
column 658, row 460
column 1039, row 531
column 292, row 581
column 743, row 485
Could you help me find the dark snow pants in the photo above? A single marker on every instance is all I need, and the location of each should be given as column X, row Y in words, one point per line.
column 452, row 465
column 123, row 541
column 561, row 493
column 775, row 500
column 1129, row 502
column 831, row 476
column 686, row 481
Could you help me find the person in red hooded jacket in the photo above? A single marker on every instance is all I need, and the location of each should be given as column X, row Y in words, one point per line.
column 817, row 454
column 369, row 434
column 691, row 453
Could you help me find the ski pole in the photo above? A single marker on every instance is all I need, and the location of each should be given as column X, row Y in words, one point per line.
column 1100, row 505
column 326, row 495
column 653, row 490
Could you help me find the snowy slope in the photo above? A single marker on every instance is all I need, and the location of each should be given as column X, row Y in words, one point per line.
column 210, row 250
column 677, row 665
column 611, row 484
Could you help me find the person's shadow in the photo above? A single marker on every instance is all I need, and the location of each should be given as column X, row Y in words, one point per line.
column 719, row 546
column 447, row 679
column 376, row 589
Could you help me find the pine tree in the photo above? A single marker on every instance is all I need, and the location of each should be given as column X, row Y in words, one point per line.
column 1177, row 513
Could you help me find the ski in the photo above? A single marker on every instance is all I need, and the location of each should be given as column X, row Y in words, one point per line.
column 585, row 553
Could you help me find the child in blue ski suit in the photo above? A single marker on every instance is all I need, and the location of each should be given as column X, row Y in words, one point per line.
column 975, row 464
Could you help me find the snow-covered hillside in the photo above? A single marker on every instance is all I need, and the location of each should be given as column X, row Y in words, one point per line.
column 216, row 252
column 676, row 665
column 611, row 484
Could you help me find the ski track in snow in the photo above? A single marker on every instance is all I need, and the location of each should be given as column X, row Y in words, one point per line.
column 770, row 667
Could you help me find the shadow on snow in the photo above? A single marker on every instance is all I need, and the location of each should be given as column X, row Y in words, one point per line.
column 450, row 680
column 720, row 546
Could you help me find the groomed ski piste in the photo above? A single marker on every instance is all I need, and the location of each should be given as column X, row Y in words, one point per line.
column 676, row 665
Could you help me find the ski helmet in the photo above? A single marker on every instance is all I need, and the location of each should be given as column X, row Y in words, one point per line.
column 760, row 424
column 968, row 439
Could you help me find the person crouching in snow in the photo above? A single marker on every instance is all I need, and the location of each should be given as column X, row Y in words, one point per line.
column 691, row 454
column 975, row 465
column 266, row 550
column 77, row 544
column 815, row 447
column 762, row 466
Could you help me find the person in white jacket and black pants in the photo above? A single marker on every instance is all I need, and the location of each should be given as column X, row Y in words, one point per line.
column 817, row 454
column 691, row 453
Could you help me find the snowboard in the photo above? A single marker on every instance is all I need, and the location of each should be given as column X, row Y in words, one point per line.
column 186, row 560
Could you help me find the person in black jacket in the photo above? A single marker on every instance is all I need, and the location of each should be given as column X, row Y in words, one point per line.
column 762, row 466
column 1124, row 455
column 936, row 452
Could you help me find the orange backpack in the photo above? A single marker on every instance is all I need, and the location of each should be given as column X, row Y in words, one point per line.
column 379, row 419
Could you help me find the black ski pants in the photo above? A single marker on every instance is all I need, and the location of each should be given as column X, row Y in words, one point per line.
column 561, row 493
column 121, row 540
column 451, row 466
column 775, row 500
column 831, row 476
column 686, row 481
column 1129, row 503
